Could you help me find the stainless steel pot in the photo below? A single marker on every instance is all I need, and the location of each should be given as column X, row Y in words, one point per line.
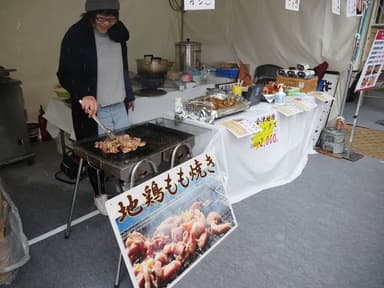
column 152, row 67
column 188, row 54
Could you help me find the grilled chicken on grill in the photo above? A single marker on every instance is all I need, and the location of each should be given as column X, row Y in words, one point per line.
column 122, row 143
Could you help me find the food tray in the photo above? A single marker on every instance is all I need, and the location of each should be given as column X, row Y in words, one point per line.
column 203, row 106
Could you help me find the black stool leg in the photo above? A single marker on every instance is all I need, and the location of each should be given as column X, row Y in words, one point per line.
column 67, row 231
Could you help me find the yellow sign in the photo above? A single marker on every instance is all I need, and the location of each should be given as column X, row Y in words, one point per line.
column 268, row 133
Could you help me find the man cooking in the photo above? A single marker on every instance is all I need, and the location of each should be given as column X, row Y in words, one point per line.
column 93, row 67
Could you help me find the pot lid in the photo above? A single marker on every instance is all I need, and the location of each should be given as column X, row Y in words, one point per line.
column 5, row 72
column 188, row 42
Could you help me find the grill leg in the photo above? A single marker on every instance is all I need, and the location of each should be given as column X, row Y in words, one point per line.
column 117, row 278
column 98, row 181
column 120, row 186
column 67, row 231
column 173, row 155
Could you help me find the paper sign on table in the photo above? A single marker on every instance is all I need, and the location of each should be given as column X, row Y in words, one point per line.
column 167, row 224
column 322, row 96
column 241, row 127
column 288, row 109
column 304, row 103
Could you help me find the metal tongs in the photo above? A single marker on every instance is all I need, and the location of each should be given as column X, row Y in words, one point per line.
column 106, row 130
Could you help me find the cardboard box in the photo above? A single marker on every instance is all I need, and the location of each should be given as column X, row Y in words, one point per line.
column 305, row 85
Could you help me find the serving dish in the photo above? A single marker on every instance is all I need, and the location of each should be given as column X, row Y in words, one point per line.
column 214, row 106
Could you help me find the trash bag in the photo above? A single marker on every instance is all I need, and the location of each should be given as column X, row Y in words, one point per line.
column 14, row 249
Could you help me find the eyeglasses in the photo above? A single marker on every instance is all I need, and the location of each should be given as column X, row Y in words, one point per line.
column 102, row 19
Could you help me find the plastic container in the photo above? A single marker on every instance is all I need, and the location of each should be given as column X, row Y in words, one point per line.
column 237, row 90
column 227, row 72
column 332, row 140
column 178, row 108
column 280, row 97
column 333, row 135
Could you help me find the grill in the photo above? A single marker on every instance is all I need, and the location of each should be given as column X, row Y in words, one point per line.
column 165, row 147
column 161, row 144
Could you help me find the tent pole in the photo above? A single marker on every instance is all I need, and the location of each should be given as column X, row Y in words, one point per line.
column 348, row 154
column 367, row 5
column 182, row 11
column 348, row 82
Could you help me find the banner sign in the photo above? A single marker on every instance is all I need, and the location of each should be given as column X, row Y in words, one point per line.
column 167, row 224
column 336, row 7
column 269, row 131
column 373, row 65
column 199, row 5
column 354, row 8
column 293, row 5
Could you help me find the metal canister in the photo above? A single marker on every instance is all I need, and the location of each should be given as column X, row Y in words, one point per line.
column 188, row 54
column 332, row 140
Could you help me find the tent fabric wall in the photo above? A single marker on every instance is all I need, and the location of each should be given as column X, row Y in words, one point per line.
column 32, row 32
column 255, row 32
column 260, row 32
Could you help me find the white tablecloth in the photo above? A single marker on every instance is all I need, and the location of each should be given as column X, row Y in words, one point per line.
column 59, row 117
column 247, row 170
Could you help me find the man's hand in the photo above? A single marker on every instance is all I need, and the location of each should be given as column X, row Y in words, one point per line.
column 89, row 105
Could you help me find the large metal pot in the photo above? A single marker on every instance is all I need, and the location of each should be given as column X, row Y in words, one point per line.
column 152, row 67
column 188, row 55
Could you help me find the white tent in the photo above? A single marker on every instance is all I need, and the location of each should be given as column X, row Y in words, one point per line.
column 263, row 32
column 256, row 32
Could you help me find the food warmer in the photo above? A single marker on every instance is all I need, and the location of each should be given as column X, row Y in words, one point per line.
column 215, row 104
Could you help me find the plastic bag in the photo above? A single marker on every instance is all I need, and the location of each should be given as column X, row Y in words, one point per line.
column 14, row 249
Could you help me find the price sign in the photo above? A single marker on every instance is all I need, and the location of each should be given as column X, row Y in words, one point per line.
column 199, row 5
